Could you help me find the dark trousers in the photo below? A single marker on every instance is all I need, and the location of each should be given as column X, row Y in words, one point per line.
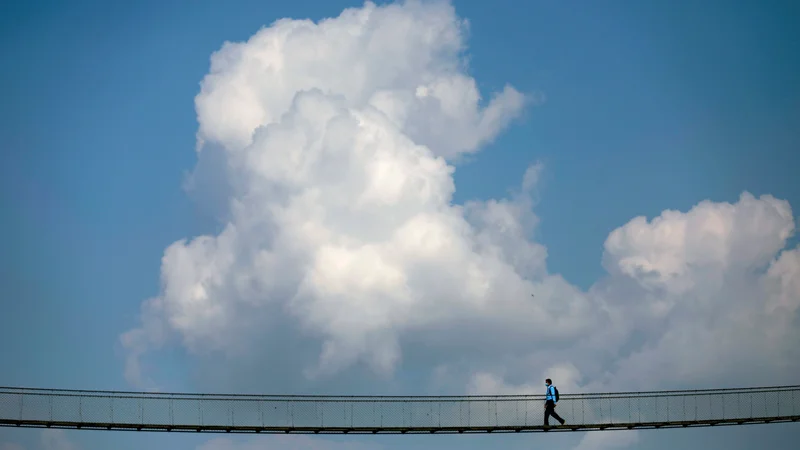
column 550, row 410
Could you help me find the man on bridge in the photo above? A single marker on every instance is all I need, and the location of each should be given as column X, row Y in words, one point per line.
column 550, row 400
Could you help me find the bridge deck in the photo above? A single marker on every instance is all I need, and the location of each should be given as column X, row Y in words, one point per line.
column 138, row 411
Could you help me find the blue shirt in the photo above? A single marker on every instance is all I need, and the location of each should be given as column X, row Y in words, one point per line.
column 551, row 394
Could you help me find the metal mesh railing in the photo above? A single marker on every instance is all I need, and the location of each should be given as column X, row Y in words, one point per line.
column 276, row 413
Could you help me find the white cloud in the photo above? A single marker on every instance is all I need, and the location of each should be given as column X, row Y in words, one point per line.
column 707, row 280
column 297, row 442
column 701, row 297
column 680, row 253
column 341, row 215
column 402, row 59
column 608, row 440
column 488, row 383
column 337, row 140
column 56, row 440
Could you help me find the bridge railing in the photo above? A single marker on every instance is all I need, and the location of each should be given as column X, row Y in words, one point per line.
column 288, row 413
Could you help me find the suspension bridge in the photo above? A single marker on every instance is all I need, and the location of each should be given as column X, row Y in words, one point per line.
column 216, row 413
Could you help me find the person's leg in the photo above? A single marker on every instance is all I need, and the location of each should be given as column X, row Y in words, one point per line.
column 556, row 416
column 548, row 410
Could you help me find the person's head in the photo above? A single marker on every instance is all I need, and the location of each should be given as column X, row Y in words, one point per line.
column 548, row 382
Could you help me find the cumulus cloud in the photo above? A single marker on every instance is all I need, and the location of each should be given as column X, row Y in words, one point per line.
column 336, row 141
column 707, row 295
column 401, row 59
column 714, row 280
column 679, row 253
column 336, row 138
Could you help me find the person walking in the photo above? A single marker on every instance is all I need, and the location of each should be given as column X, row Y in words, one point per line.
column 550, row 400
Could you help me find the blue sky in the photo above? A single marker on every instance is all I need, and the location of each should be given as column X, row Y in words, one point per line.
column 648, row 108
